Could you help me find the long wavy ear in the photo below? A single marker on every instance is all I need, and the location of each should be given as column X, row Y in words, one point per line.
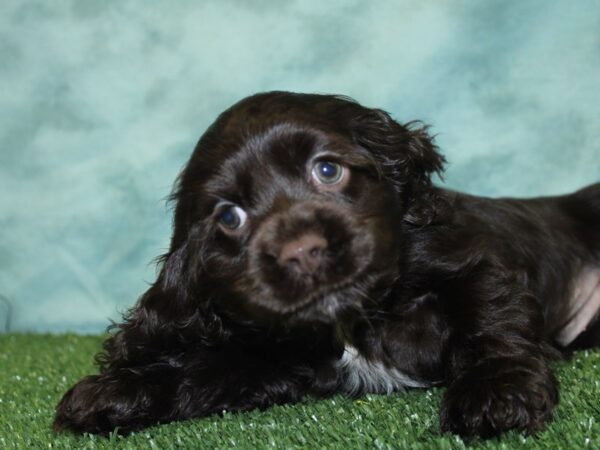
column 172, row 312
column 407, row 157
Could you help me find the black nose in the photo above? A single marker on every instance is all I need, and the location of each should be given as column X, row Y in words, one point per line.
column 304, row 254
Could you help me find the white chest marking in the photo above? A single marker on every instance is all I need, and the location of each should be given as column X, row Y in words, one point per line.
column 361, row 375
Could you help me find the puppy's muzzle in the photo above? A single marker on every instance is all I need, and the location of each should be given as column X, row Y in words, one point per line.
column 304, row 253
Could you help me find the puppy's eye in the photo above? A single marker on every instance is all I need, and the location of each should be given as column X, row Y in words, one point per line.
column 232, row 217
column 328, row 172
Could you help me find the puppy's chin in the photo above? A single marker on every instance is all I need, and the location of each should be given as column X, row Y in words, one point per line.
column 331, row 305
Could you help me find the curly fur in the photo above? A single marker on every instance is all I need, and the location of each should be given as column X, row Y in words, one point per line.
column 417, row 285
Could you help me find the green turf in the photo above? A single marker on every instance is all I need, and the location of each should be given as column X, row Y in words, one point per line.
column 36, row 369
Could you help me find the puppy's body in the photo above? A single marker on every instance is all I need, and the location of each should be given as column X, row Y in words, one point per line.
column 546, row 249
column 550, row 248
column 312, row 255
column 550, row 245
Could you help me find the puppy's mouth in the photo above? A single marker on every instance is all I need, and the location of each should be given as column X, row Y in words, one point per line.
column 325, row 299
column 325, row 304
column 287, row 292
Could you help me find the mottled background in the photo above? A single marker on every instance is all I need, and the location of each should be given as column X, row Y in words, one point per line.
column 101, row 103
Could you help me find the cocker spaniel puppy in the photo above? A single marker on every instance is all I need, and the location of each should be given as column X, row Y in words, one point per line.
column 311, row 255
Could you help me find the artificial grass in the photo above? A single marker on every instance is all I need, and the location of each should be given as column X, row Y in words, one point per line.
column 35, row 370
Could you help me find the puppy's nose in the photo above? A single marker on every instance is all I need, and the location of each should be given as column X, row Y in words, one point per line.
column 304, row 253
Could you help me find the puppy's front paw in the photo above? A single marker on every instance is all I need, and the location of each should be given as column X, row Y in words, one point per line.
column 95, row 405
column 487, row 401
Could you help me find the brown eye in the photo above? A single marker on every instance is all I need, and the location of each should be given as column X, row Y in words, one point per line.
column 327, row 172
column 233, row 217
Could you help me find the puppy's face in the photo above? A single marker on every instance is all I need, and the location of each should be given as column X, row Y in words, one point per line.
column 286, row 218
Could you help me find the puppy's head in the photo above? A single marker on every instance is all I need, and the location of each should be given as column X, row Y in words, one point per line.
column 291, row 206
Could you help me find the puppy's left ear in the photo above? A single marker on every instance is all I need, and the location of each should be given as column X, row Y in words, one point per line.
column 423, row 155
column 406, row 153
column 407, row 157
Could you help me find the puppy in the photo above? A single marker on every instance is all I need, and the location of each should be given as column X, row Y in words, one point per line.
column 311, row 255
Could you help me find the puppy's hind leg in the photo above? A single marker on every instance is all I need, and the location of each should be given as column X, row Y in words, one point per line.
column 584, row 324
column 584, row 208
column 589, row 338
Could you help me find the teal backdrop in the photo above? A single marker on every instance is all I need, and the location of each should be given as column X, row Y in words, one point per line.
column 101, row 103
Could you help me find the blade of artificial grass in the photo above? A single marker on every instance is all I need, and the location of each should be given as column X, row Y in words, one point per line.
column 35, row 370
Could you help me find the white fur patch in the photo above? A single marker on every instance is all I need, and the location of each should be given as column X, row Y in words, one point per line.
column 361, row 375
column 584, row 304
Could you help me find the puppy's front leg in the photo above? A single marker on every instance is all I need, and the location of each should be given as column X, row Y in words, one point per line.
column 498, row 363
column 197, row 384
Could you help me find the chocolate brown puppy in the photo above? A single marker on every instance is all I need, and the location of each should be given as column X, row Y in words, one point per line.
column 312, row 255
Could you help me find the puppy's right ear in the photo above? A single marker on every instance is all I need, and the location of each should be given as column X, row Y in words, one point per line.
column 174, row 310
column 179, row 294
